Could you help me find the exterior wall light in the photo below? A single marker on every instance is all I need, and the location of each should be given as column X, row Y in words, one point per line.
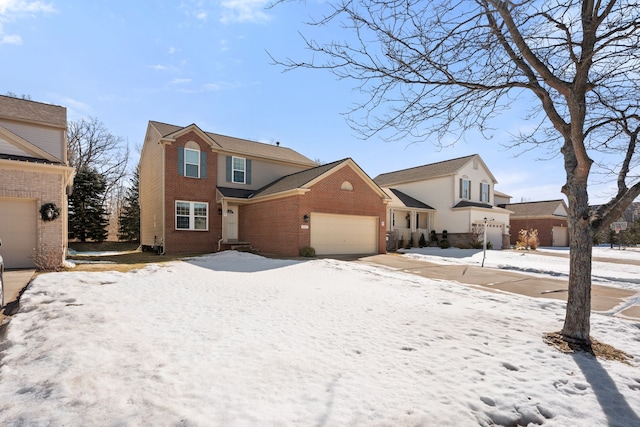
column 305, row 218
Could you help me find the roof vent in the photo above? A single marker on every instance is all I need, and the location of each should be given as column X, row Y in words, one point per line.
column 277, row 143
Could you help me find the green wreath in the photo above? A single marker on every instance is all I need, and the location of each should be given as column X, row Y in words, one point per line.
column 49, row 211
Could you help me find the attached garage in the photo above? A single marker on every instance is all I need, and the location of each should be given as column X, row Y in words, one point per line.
column 333, row 234
column 18, row 220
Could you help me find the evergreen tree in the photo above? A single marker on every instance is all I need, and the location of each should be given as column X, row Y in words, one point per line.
column 88, row 219
column 129, row 219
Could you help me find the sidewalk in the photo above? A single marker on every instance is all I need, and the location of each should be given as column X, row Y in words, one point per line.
column 604, row 299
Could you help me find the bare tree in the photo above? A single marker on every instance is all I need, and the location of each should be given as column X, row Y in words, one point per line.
column 443, row 67
column 92, row 146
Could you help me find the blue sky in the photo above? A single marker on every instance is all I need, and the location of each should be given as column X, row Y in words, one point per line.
column 206, row 62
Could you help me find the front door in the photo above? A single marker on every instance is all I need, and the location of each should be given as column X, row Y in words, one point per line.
column 232, row 222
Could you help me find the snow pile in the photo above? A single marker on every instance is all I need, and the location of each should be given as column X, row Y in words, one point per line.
column 234, row 339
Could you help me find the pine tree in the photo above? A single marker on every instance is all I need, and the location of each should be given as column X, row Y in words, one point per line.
column 88, row 219
column 129, row 219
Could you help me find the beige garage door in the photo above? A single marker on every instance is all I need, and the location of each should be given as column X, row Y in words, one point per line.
column 18, row 232
column 344, row 234
column 560, row 236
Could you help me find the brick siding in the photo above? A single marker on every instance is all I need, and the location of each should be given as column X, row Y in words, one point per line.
column 42, row 187
column 543, row 225
column 179, row 187
column 275, row 226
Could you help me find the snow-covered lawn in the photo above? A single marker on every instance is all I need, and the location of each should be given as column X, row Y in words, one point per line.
column 233, row 339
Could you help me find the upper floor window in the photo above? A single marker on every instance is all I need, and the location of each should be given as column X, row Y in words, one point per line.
column 484, row 192
column 192, row 163
column 192, row 215
column 239, row 170
column 465, row 188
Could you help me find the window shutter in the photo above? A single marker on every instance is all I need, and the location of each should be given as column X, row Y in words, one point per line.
column 181, row 161
column 480, row 193
column 228, row 168
column 203, row 164
column 488, row 193
column 460, row 188
column 469, row 190
column 248, row 171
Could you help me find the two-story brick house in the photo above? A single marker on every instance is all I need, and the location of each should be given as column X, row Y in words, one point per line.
column 34, row 182
column 455, row 196
column 204, row 192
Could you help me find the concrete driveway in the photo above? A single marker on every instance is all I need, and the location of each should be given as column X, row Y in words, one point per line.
column 14, row 282
column 604, row 299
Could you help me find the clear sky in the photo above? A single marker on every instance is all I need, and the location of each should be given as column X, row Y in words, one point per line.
column 206, row 62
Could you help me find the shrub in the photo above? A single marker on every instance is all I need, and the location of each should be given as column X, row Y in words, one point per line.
column 476, row 245
column 444, row 234
column 433, row 237
column 401, row 242
column 444, row 244
column 463, row 246
column 48, row 260
column 422, row 242
column 308, row 252
column 410, row 244
column 528, row 239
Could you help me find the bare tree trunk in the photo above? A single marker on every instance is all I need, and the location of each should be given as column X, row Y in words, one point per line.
column 577, row 324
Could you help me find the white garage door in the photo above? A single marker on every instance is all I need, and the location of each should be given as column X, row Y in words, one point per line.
column 18, row 218
column 494, row 235
column 344, row 234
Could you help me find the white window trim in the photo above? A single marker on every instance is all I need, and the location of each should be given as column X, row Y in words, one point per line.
column 468, row 188
column 484, row 186
column 243, row 170
column 187, row 163
column 192, row 216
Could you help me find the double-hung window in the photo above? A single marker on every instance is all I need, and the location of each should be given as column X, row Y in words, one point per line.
column 239, row 170
column 192, row 215
column 465, row 189
column 484, row 192
column 192, row 163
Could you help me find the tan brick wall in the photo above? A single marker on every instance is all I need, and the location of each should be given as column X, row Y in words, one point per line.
column 274, row 226
column 43, row 187
column 194, row 190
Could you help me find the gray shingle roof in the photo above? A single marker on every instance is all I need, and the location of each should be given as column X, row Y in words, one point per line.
column 22, row 109
column 419, row 173
column 238, row 193
column 468, row 204
column 409, row 201
column 296, row 180
column 531, row 209
column 242, row 146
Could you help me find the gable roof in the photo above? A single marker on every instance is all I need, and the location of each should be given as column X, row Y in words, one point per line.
column 409, row 201
column 31, row 111
column 432, row 170
column 298, row 181
column 234, row 145
column 534, row 209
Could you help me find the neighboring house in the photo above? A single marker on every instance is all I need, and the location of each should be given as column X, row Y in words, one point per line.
column 34, row 178
column 204, row 192
column 549, row 217
column 500, row 199
column 453, row 196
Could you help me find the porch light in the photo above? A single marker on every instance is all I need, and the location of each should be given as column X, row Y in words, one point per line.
column 305, row 218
